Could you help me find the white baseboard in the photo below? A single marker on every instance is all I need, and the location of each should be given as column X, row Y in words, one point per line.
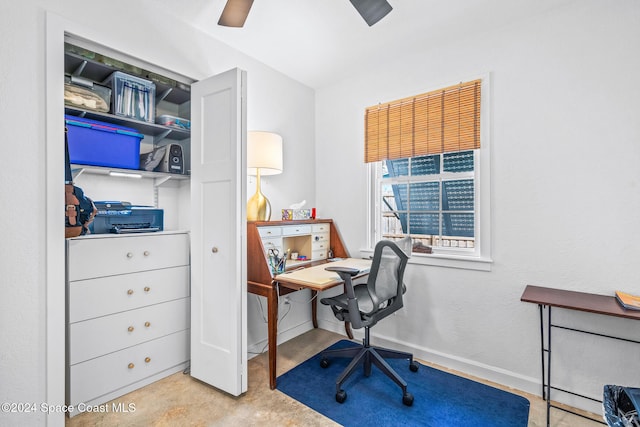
column 283, row 336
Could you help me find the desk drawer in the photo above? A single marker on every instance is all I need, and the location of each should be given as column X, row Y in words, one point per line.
column 319, row 254
column 97, row 377
column 295, row 230
column 92, row 298
column 321, row 228
column 103, row 335
column 99, row 257
column 269, row 231
column 323, row 245
column 321, row 238
column 272, row 243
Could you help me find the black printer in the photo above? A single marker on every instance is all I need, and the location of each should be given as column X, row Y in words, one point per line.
column 122, row 217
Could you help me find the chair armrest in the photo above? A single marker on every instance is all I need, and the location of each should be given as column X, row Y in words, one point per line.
column 346, row 273
column 344, row 270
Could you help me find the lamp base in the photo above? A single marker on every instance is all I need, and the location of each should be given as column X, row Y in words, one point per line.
column 258, row 207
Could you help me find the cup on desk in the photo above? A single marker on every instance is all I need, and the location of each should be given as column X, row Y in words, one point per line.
column 294, row 256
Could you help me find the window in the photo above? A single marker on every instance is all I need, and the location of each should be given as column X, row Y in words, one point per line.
column 426, row 162
column 430, row 198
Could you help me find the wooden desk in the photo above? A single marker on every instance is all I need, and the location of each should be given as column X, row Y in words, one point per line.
column 261, row 281
column 317, row 278
column 570, row 300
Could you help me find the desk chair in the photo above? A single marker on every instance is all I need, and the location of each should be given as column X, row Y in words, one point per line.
column 363, row 305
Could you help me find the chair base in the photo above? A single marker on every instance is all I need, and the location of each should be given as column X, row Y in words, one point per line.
column 368, row 355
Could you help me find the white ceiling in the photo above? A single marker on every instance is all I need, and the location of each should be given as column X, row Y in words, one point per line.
column 317, row 41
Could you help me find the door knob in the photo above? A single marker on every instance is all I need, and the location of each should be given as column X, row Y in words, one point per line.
column 214, row 250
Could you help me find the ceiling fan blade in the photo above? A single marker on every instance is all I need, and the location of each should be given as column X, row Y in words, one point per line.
column 235, row 12
column 372, row 10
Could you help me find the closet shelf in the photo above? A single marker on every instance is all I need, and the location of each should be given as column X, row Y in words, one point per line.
column 175, row 134
column 162, row 177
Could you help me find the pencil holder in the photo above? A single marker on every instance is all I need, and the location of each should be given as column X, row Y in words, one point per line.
column 277, row 264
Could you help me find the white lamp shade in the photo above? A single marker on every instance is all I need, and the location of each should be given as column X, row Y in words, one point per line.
column 264, row 152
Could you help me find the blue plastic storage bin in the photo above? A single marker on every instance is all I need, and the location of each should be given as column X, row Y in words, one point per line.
column 96, row 143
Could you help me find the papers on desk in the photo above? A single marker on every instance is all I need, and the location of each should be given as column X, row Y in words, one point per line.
column 318, row 277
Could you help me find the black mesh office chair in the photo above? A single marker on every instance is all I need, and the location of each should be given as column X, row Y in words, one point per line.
column 364, row 305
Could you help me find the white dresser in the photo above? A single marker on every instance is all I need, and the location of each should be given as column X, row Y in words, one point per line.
column 127, row 313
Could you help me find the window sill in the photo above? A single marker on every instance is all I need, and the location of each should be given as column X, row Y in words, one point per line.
column 445, row 260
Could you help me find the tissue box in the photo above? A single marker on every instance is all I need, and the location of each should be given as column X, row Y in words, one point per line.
column 291, row 214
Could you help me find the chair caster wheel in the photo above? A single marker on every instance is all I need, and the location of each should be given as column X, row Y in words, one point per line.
column 324, row 363
column 407, row 399
column 413, row 367
column 341, row 396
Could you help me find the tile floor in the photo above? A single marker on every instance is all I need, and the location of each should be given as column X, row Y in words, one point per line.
column 179, row 400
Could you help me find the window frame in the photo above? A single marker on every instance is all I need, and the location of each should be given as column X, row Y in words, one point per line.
column 478, row 258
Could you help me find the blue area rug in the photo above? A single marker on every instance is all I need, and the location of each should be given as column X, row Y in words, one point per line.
column 441, row 399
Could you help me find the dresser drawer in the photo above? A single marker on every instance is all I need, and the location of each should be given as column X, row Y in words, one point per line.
column 295, row 230
column 99, row 257
column 96, row 337
column 92, row 298
column 97, row 377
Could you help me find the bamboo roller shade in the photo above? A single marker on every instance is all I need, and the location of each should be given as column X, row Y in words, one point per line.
column 441, row 121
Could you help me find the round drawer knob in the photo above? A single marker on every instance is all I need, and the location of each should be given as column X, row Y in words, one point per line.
column 131, row 366
column 317, row 238
column 147, row 324
column 129, row 254
column 130, row 329
column 146, row 253
column 147, row 359
column 214, row 250
column 130, row 292
column 147, row 289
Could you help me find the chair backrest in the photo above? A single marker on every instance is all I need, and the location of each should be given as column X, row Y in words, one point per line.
column 387, row 270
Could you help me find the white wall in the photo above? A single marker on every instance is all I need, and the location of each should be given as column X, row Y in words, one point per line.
column 275, row 102
column 565, row 149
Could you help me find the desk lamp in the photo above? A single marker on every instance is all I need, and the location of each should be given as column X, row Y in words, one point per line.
column 264, row 157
